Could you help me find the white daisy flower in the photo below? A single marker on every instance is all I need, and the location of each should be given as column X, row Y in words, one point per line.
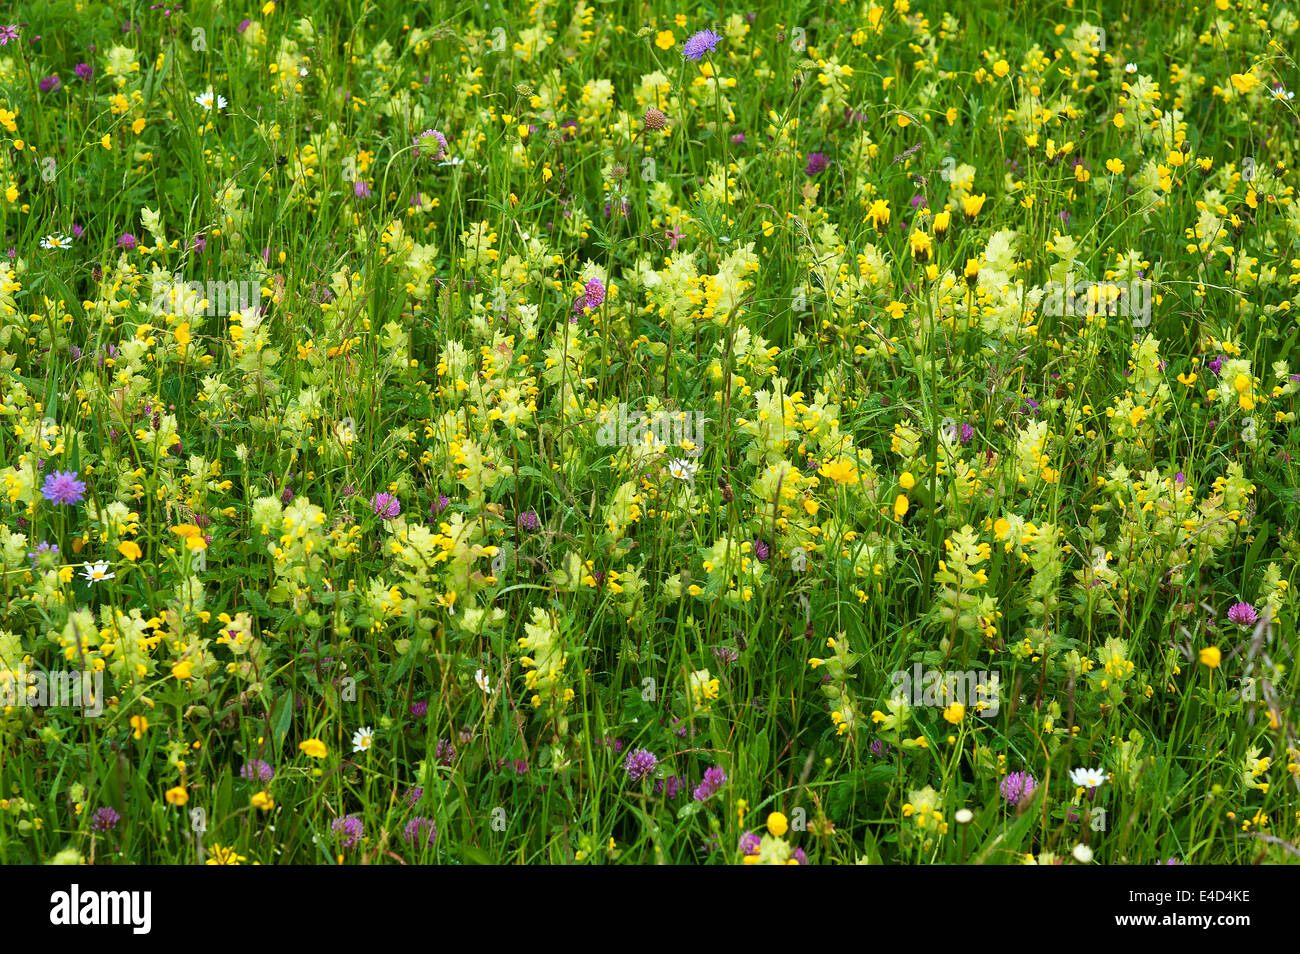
column 56, row 241
column 1087, row 778
column 97, row 571
column 205, row 100
column 682, row 469
column 481, row 678
column 453, row 161
column 1130, row 67
column 1280, row 92
column 363, row 739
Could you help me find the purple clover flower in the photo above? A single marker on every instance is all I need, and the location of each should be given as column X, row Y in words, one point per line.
column 639, row 764
column 816, row 165
column 348, row 830
column 420, row 830
column 385, row 506
column 1243, row 614
column 714, row 779
column 1017, row 787
column 257, row 769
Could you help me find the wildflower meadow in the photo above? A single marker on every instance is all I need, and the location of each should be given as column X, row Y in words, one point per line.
column 591, row 433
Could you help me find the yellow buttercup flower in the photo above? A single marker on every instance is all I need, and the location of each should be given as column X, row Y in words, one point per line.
column 1211, row 656
column 314, row 747
column 778, row 824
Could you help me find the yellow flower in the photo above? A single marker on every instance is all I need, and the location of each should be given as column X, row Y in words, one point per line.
column 1001, row 68
column 1114, row 166
column 183, row 669
column 1211, row 656
column 139, row 724
column 314, row 747
column 263, row 800
column 107, row 141
column 907, row 481
column 921, row 244
column 129, row 549
column 777, row 824
column 138, row 126
column 177, row 795
column 840, row 471
column 972, row 204
column 1118, row 120
column 954, row 713
column 193, row 536
column 665, row 40
column 900, row 507
column 1243, row 83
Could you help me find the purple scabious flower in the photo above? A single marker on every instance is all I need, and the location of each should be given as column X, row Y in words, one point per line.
column 105, row 819
column 639, row 764
column 349, row 831
column 424, row 140
column 816, row 165
column 1017, row 787
column 1216, row 366
column 386, row 506
column 705, row 41
column 50, row 83
column 750, row 843
column 714, row 779
column 44, row 550
column 1243, row 614
column 420, row 830
column 257, row 769
column 83, row 70
column 528, row 520
column 63, row 487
